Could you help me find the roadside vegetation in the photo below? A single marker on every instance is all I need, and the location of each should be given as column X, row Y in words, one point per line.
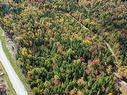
column 13, row 63
column 5, row 83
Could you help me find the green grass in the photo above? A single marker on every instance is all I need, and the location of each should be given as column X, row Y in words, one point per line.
column 10, row 90
column 15, row 66
column 3, row 1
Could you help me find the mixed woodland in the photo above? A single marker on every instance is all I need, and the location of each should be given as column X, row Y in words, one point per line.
column 69, row 47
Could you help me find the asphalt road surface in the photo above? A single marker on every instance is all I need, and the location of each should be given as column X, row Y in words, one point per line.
column 13, row 77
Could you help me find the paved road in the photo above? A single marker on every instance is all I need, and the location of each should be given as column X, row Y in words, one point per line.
column 16, row 82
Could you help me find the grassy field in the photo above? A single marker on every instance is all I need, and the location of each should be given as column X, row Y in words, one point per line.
column 16, row 68
column 10, row 90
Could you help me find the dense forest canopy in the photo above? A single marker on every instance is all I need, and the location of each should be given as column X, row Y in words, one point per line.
column 69, row 47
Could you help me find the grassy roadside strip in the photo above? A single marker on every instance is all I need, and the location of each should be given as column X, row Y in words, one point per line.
column 11, row 90
column 16, row 68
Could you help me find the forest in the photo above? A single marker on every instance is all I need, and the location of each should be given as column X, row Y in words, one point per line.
column 69, row 47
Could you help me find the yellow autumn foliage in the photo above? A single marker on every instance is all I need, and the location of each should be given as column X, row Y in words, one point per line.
column 110, row 94
column 24, row 51
column 61, row 20
column 19, row 62
column 87, row 42
column 19, row 38
column 122, row 72
column 80, row 92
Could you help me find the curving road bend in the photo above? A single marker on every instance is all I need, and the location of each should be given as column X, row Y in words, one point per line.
column 13, row 77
